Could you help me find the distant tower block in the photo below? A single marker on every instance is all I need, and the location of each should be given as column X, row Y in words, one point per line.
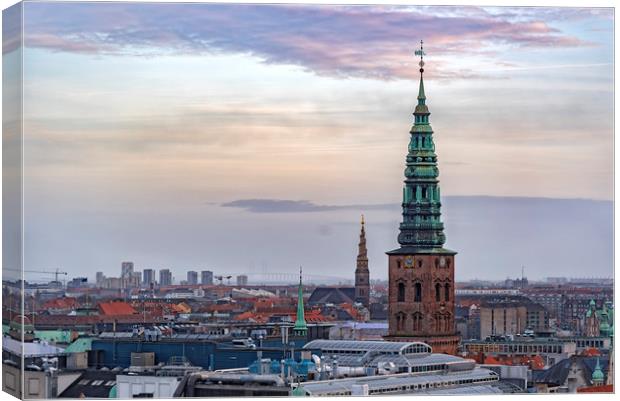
column 242, row 280
column 421, row 271
column 362, row 274
column 206, row 277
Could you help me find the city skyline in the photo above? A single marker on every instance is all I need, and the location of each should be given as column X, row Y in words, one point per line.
column 218, row 138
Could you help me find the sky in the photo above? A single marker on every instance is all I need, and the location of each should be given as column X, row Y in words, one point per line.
column 156, row 133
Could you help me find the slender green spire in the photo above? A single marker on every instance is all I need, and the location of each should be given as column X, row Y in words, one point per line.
column 598, row 377
column 421, row 226
column 421, row 94
column 300, row 327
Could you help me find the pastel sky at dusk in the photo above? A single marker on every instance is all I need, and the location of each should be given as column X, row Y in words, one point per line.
column 170, row 134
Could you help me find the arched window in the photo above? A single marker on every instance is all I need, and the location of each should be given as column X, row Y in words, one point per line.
column 401, row 292
column 417, row 322
column 418, row 293
column 436, row 263
column 424, row 192
column 447, row 293
column 437, row 292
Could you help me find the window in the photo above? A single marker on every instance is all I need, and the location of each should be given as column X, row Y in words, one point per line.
column 33, row 386
column 401, row 292
column 418, row 293
column 417, row 322
column 447, row 294
column 437, row 292
column 400, row 322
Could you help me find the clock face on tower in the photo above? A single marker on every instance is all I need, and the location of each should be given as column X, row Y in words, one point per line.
column 409, row 261
column 442, row 262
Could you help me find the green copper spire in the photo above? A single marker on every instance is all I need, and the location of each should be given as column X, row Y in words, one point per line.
column 598, row 377
column 421, row 226
column 300, row 327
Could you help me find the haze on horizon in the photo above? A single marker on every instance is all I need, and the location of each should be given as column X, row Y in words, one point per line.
column 143, row 120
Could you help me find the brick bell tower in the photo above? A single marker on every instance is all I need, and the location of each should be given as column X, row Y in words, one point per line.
column 421, row 271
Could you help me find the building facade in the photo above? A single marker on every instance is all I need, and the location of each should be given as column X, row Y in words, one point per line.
column 362, row 274
column 242, row 280
column 126, row 274
column 421, row 271
column 165, row 277
column 148, row 277
column 206, row 277
column 192, row 277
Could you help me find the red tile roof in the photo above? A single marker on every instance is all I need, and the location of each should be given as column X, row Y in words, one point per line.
column 61, row 303
column 116, row 308
column 606, row 388
column 591, row 352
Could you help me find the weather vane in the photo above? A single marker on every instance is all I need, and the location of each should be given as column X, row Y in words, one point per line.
column 421, row 53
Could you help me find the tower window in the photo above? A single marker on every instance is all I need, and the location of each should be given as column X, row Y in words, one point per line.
column 400, row 322
column 424, row 192
column 401, row 292
column 417, row 322
column 437, row 292
column 447, row 294
column 418, row 293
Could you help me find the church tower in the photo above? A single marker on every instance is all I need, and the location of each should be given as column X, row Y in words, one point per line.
column 421, row 271
column 300, row 328
column 362, row 274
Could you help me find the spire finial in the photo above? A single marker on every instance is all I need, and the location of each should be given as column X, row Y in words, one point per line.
column 421, row 54
column 421, row 95
column 300, row 271
column 362, row 219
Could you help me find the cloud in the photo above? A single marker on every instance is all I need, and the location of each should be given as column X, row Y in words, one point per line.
column 483, row 201
column 11, row 28
column 342, row 41
column 296, row 206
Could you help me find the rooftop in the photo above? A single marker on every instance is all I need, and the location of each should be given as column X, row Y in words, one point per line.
column 403, row 383
column 30, row 349
column 116, row 308
column 380, row 346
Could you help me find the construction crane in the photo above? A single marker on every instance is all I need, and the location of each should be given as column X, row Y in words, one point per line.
column 221, row 279
column 55, row 273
